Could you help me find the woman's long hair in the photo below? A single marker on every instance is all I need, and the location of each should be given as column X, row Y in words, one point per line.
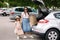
column 27, row 9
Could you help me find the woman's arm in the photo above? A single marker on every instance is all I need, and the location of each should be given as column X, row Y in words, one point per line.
column 21, row 17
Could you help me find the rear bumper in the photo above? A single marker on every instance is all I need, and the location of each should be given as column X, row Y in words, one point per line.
column 12, row 18
column 37, row 33
column 40, row 34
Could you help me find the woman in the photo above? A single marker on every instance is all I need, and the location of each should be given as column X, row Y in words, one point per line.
column 25, row 21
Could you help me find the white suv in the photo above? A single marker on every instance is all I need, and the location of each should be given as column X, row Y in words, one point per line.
column 49, row 26
column 4, row 11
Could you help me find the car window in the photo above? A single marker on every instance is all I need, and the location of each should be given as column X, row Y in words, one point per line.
column 4, row 9
column 57, row 15
column 19, row 9
column 22, row 9
column 34, row 10
column 29, row 10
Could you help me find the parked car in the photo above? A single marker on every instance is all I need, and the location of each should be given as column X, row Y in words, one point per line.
column 16, row 11
column 1, row 11
column 4, row 11
column 49, row 27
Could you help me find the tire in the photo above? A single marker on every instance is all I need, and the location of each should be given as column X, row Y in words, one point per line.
column 4, row 14
column 52, row 34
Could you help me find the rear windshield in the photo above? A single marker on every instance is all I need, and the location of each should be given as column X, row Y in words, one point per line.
column 22, row 9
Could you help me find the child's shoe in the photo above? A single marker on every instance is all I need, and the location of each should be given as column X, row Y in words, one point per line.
column 25, row 36
column 18, row 37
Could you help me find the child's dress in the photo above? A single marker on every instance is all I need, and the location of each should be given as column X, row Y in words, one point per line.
column 18, row 30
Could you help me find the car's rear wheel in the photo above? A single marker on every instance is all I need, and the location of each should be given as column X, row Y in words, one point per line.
column 52, row 34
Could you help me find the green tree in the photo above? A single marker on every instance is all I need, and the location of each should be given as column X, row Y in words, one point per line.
column 55, row 3
column 1, row 4
column 20, row 3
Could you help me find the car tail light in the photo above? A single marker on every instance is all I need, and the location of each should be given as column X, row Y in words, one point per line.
column 12, row 13
column 43, row 21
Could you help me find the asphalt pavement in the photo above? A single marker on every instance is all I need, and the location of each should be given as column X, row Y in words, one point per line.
column 7, row 30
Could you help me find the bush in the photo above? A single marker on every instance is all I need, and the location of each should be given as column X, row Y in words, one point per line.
column 1, row 4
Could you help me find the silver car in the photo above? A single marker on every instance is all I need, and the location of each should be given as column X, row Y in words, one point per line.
column 16, row 11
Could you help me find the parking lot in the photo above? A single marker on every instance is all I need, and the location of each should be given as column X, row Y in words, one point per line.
column 7, row 30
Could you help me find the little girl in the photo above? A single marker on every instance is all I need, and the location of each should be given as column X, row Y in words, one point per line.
column 18, row 29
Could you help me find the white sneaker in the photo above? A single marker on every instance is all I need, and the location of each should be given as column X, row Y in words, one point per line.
column 18, row 37
column 25, row 37
column 31, row 36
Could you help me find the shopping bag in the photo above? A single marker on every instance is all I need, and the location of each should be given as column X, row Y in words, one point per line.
column 33, row 20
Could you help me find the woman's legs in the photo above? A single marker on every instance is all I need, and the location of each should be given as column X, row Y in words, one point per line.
column 29, row 34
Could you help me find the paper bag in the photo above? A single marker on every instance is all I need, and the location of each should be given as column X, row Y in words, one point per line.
column 33, row 20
